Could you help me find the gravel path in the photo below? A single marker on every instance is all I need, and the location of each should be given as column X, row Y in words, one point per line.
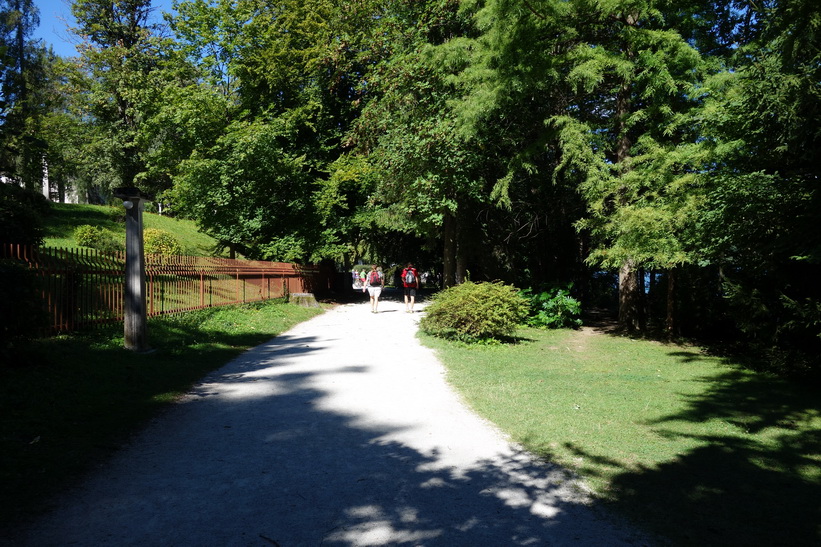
column 341, row 431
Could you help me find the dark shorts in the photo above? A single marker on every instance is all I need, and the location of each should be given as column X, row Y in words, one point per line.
column 410, row 291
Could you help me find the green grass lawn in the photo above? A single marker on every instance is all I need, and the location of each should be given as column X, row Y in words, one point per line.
column 695, row 448
column 72, row 400
column 66, row 217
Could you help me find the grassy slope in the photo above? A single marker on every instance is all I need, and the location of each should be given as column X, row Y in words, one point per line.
column 67, row 217
column 697, row 449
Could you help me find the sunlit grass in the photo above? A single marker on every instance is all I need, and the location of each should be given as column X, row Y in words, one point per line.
column 66, row 217
column 70, row 400
column 696, row 448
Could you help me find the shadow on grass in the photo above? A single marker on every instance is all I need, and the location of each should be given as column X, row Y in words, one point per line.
column 757, row 487
column 68, row 402
column 66, row 218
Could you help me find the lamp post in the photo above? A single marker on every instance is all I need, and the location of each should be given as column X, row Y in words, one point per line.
column 136, row 337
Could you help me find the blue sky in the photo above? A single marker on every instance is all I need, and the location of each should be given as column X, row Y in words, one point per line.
column 54, row 16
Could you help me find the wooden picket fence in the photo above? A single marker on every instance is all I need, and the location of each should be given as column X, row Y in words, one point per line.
column 84, row 288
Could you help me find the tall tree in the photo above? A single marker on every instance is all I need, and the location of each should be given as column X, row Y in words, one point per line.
column 23, row 94
column 759, row 219
column 430, row 179
column 119, row 54
column 643, row 78
column 275, row 67
column 587, row 94
column 514, row 90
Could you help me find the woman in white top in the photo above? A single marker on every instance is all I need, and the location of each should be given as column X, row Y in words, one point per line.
column 373, row 284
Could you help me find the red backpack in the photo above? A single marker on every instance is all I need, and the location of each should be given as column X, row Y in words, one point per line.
column 374, row 279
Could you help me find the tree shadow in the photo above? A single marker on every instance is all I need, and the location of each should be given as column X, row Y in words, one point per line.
column 66, row 219
column 759, row 486
column 279, row 459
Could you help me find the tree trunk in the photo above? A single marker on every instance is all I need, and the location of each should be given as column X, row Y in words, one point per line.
column 449, row 250
column 631, row 296
column 462, row 247
column 631, row 299
column 670, row 325
column 461, row 267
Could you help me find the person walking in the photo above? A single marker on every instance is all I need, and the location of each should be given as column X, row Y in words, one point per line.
column 356, row 283
column 373, row 284
column 410, row 282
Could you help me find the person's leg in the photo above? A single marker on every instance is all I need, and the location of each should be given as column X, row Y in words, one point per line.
column 407, row 299
column 412, row 299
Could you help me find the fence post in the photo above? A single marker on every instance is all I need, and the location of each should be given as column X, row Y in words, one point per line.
column 135, row 328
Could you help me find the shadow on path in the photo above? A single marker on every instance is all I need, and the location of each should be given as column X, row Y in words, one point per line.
column 321, row 437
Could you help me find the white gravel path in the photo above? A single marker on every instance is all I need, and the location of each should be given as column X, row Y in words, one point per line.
column 342, row 431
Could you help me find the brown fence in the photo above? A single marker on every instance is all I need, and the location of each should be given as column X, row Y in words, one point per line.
column 82, row 288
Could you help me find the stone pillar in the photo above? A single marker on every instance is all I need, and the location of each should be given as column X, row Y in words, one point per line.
column 135, row 328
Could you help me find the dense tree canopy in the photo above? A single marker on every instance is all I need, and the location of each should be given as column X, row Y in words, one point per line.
column 670, row 144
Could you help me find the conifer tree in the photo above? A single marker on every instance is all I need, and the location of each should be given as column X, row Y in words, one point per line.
column 23, row 89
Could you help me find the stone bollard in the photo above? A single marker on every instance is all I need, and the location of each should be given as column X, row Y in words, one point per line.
column 304, row 299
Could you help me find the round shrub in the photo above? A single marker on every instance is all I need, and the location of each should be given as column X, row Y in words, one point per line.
column 472, row 312
column 87, row 235
column 160, row 242
column 97, row 238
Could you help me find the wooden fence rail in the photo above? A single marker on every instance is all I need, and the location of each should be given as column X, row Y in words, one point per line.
column 83, row 288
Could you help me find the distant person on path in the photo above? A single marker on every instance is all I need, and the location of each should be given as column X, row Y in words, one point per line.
column 373, row 284
column 410, row 281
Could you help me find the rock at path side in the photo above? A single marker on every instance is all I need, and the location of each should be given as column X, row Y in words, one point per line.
column 304, row 299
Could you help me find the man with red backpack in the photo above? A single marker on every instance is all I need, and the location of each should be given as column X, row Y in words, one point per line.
column 410, row 282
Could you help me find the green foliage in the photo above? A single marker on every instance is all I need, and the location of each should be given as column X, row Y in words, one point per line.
column 430, row 176
column 635, row 135
column 124, row 71
column 88, row 235
column 21, row 314
column 97, row 238
column 22, row 214
column 473, row 312
column 160, row 242
column 26, row 87
column 553, row 309
column 249, row 192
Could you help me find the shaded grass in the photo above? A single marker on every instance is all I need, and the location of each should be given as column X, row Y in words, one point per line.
column 71, row 400
column 66, row 217
column 695, row 448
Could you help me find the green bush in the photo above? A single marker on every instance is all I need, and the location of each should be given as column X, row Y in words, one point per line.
column 553, row 309
column 160, row 242
column 21, row 310
column 21, row 215
column 474, row 312
column 97, row 238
